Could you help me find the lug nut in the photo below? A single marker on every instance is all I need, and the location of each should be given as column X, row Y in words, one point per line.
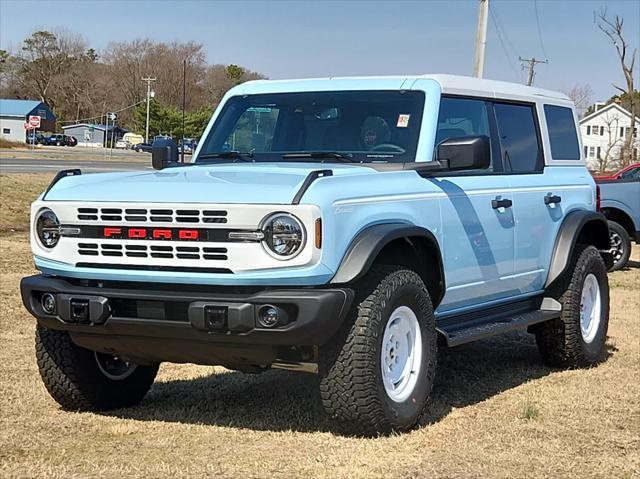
column 268, row 316
column 48, row 302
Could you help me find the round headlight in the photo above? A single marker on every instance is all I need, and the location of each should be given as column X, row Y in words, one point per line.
column 284, row 235
column 47, row 228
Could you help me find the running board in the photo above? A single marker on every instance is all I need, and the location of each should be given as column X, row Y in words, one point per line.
column 472, row 327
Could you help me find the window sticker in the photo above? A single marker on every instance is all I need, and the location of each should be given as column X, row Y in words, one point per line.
column 403, row 120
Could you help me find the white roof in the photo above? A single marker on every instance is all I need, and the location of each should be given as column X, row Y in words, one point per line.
column 454, row 84
column 610, row 106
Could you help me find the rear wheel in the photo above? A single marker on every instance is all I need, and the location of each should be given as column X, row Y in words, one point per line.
column 577, row 338
column 84, row 380
column 620, row 245
column 378, row 372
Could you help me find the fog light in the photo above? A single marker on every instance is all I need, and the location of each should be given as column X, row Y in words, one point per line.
column 48, row 302
column 268, row 316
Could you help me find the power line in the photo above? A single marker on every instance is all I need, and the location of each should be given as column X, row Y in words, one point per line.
column 101, row 116
column 502, row 43
column 535, row 7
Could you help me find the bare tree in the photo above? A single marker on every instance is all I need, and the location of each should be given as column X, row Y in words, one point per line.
column 606, row 159
column 43, row 57
column 581, row 96
column 613, row 29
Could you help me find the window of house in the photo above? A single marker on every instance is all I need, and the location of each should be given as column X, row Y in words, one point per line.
column 588, row 129
column 621, row 132
column 518, row 137
column 6, row 131
column 586, row 151
column 602, row 131
column 592, row 151
column 598, row 152
column 562, row 133
column 42, row 114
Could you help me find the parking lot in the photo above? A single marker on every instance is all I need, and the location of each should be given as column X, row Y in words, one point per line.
column 495, row 411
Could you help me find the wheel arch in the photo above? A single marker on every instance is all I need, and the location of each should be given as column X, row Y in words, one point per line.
column 580, row 226
column 621, row 217
column 387, row 244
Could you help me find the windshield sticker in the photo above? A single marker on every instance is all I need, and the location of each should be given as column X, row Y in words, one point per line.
column 403, row 120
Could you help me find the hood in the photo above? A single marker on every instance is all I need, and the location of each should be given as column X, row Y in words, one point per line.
column 274, row 183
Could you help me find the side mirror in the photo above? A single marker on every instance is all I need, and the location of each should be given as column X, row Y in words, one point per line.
column 164, row 151
column 465, row 153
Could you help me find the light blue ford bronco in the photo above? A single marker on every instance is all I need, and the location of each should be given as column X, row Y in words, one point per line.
column 346, row 227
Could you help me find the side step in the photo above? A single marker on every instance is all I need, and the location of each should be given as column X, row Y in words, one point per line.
column 474, row 326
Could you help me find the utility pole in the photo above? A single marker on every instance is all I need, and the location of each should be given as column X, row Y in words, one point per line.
column 149, row 80
column 531, row 62
column 481, row 38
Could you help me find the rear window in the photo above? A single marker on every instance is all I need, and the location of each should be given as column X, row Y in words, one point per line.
column 562, row 133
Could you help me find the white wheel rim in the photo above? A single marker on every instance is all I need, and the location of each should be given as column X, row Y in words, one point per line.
column 401, row 354
column 590, row 308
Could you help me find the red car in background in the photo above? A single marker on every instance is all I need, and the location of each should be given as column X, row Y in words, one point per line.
column 631, row 171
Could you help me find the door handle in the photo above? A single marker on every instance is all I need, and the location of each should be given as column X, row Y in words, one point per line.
column 501, row 203
column 552, row 199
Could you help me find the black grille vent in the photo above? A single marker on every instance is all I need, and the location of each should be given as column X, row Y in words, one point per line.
column 160, row 215
column 153, row 251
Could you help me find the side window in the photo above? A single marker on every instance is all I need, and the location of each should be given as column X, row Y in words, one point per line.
column 632, row 174
column 518, row 137
column 562, row 133
column 462, row 117
column 254, row 130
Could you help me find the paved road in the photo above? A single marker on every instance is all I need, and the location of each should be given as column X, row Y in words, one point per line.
column 40, row 165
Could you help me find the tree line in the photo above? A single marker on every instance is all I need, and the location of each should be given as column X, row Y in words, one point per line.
column 81, row 84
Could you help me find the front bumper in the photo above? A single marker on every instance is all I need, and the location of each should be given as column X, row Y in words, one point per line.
column 177, row 323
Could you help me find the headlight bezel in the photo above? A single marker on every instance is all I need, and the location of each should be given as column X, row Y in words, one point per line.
column 53, row 228
column 267, row 242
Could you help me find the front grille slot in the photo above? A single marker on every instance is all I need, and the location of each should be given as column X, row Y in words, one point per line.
column 152, row 251
column 160, row 215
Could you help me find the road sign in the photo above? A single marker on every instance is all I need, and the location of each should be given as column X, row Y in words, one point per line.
column 34, row 121
column 112, row 116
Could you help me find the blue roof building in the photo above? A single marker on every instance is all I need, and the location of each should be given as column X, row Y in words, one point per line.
column 14, row 113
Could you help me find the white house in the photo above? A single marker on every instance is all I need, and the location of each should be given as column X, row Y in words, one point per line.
column 603, row 134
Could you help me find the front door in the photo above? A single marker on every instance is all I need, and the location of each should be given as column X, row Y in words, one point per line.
column 477, row 217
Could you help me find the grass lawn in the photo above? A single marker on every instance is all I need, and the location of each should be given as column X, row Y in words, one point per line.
column 496, row 411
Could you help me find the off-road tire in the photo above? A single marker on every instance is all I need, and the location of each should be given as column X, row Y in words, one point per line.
column 560, row 341
column 615, row 229
column 72, row 377
column 351, row 385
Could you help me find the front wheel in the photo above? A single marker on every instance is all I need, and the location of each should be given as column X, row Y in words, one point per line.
column 378, row 372
column 577, row 338
column 83, row 380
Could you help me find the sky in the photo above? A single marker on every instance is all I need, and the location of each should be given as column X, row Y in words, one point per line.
column 298, row 39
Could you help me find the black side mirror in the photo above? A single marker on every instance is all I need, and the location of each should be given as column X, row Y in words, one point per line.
column 164, row 152
column 465, row 153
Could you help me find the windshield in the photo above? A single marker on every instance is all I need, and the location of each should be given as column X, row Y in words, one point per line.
column 361, row 126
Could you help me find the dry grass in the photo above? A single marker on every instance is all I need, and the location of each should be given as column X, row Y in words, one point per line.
column 17, row 192
column 495, row 412
column 4, row 143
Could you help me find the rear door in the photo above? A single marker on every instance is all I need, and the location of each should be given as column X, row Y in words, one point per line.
column 537, row 207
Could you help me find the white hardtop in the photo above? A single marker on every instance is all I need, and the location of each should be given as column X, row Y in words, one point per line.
column 449, row 84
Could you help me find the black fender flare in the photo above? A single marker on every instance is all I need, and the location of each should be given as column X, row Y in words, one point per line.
column 367, row 245
column 571, row 230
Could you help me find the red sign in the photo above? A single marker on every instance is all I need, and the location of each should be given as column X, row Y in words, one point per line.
column 34, row 121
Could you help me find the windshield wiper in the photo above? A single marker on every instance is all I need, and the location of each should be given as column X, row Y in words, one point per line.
column 236, row 155
column 333, row 155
